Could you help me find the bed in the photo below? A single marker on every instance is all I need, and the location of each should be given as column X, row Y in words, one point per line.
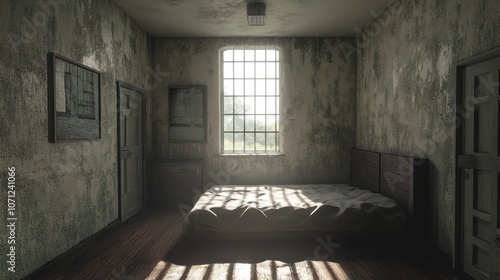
column 383, row 196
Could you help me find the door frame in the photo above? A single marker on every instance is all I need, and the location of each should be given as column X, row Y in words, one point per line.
column 458, row 261
column 128, row 86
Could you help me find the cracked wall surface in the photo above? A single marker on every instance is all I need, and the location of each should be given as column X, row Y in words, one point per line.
column 318, row 101
column 65, row 191
column 406, row 89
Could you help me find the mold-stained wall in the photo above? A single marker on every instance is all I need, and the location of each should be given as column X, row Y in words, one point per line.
column 65, row 192
column 318, row 101
column 406, row 88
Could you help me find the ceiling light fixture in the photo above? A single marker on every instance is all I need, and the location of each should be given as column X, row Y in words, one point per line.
column 256, row 13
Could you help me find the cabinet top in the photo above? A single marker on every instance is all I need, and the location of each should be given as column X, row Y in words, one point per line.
column 177, row 161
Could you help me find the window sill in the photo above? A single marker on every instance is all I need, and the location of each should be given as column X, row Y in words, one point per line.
column 256, row 154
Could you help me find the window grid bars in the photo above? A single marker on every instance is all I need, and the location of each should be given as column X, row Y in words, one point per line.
column 244, row 114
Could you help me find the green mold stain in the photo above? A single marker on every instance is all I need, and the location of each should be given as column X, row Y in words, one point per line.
column 324, row 133
column 312, row 45
column 133, row 44
column 377, row 67
column 198, row 46
column 85, row 217
column 327, row 111
column 316, row 47
column 103, row 198
column 336, row 87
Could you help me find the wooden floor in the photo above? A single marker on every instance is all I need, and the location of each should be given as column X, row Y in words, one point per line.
column 150, row 246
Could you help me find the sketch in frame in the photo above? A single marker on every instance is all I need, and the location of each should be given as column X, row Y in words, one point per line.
column 74, row 100
column 187, row 118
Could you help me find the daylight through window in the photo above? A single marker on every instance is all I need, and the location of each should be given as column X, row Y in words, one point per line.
column 250, row 101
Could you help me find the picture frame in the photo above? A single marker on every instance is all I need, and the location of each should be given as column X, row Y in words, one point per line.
column 187, row 114
column 74, row 107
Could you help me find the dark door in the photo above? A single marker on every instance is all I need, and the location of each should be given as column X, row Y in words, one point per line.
column 480, row 164
column 131, row 150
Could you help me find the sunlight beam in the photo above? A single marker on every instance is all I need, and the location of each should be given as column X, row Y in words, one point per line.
column 158, row 270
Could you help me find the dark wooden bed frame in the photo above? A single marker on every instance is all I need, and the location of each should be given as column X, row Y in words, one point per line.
column 400, row 178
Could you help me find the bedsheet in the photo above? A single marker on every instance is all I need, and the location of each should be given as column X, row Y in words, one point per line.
column 262, row 208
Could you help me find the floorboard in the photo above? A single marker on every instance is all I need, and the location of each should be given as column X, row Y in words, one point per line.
column 150, row 246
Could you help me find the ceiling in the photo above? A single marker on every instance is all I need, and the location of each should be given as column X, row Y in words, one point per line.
column 227, row 18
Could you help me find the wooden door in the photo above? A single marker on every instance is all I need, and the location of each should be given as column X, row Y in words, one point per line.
column 130, row 140
column 480, row 163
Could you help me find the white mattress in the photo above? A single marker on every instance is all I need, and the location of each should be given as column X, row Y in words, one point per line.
column 264, row 208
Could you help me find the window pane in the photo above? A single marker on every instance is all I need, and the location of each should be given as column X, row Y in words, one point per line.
column 238, row 105
column 270, row 105
column 228, row 123
column 249, row 87
column 228, row 55
column 238, row 70
column 270, row 123
column 249, row 55
column 271, row 87
column 271, row 55
column 260, row 87
column 228, row 87
column 249, row 123
column 250, row 105
column 238, row 55
column 238, row 141
column 260, row 103
column 249, row 70
column 260, row 123
column 228, row 70
column 260, row 55
column 238, row 87
column 238, row 123
column 228, row 141
column 249, row 141
column 260, row 70
column 277, row 123
column 277, row 55
column 271, row 141
column 228, row 105
column 277, row 105
column 270, row 70
column 277, row 70
column 277, row 87
column 260, row 141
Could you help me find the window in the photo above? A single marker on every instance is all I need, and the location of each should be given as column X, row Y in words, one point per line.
column 250, row 101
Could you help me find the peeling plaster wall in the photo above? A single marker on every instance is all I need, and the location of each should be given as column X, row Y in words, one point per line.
column 406, row 88
column 66, row 191
column 318, row 101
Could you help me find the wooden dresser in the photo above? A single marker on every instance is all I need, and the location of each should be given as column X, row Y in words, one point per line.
column 176, row 182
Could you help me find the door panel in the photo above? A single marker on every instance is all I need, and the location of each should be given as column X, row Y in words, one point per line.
column 482, row 190
column 481, row 163
column 131, row 151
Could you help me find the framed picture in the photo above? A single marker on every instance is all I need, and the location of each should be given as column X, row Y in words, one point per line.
column 74, row 100
column 187, row 114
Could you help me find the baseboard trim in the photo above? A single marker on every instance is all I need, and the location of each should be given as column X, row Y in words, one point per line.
column 41, row 270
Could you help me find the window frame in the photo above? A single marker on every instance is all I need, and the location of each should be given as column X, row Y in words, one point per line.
column 277, row 98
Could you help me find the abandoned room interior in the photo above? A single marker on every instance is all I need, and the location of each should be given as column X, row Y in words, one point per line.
column 250, row 139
